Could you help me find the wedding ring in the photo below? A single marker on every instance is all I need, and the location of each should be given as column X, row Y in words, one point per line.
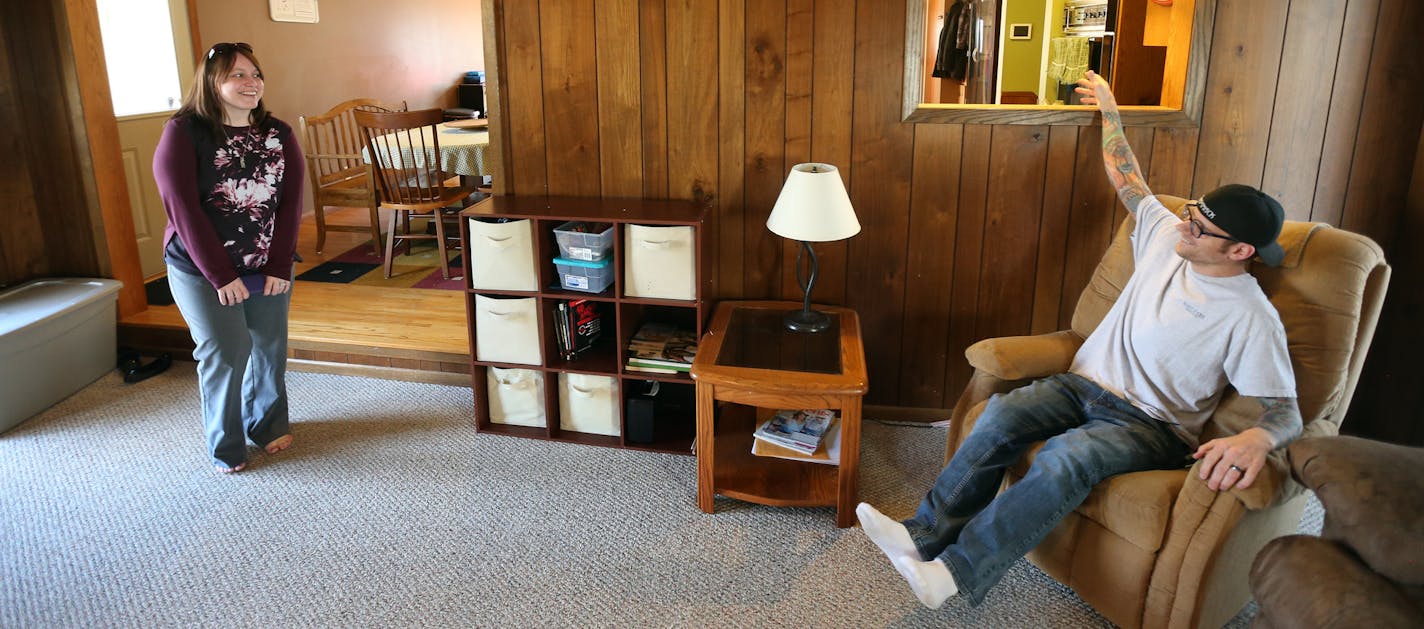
column 1237, row 469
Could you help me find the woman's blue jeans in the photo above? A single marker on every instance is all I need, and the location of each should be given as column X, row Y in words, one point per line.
column 242, row 365
column 1091, row 434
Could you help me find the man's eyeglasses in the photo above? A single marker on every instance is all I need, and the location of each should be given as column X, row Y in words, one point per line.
column 224, row 48
column 1196, row 227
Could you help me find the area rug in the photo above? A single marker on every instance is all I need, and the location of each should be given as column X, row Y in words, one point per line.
column 419, row 268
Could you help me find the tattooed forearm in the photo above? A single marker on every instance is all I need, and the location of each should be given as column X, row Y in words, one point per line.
column 1281, row 420
column 1121, row 165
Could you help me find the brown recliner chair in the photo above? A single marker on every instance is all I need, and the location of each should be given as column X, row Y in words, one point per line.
column 1367, row 567
column 1158, row 548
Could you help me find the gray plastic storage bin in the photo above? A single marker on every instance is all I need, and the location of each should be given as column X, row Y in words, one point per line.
column 582, row 240
column 56, row 336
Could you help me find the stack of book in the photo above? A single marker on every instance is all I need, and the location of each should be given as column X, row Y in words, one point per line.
column 662, row 348
column 800, row 431
column 577, row 326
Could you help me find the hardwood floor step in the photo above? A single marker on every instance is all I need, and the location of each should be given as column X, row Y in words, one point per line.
column 396, row 333
column 410, row 334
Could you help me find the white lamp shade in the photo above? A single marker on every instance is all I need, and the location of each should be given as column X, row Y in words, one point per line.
column 813, row 206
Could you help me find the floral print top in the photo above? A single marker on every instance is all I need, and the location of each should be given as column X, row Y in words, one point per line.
column 233, row 202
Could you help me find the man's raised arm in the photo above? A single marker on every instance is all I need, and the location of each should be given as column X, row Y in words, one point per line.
column 1121, row 165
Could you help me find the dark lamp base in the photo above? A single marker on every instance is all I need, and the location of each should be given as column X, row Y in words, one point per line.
column 807, row 321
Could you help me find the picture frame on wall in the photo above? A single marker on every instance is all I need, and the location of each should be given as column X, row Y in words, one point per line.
column 1021, row 31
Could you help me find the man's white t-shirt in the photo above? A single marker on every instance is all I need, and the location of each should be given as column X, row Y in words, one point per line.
column 1175, row 338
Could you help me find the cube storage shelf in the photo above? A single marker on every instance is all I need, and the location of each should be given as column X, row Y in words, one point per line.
column 596, row 382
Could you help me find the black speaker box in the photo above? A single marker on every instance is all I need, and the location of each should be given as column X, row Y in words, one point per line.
column 642, row 424
column 654, row 408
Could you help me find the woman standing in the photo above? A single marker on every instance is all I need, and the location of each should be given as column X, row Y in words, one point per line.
column 230, row 176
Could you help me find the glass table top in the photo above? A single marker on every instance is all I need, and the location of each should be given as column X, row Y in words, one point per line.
column 757, row 338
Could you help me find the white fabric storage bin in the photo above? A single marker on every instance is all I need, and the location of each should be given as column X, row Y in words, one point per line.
column 501, row 255
column 660, row 262
column 516, row 397
column 589, row 404
column 507, row 330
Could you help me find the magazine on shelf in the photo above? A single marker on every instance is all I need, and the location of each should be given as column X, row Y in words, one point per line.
column 663, row 370
column 662, row 346
column 829, row 454
column 800, row 430
column 668, row 366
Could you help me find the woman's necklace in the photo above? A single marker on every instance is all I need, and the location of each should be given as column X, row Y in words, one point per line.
column 241, row 146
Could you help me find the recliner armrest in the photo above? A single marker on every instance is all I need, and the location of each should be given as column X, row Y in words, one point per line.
column 1262, row 493
column 1021, row 357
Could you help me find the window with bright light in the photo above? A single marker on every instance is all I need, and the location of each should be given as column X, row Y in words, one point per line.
column 138, row 50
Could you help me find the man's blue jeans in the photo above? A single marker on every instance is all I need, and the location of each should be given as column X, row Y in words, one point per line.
column 1091, row 434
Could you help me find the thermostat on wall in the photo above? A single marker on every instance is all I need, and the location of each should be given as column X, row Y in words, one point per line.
column 293, row 11
column 1020, row 31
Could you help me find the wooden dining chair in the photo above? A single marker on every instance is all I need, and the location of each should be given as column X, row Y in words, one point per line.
column 405, row 157
column 339, row 177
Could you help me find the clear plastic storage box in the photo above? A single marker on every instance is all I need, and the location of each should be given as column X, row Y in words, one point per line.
column 581, row 275
column 582, row 240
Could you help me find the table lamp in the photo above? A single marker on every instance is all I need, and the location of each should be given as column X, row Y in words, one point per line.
column 813, row 207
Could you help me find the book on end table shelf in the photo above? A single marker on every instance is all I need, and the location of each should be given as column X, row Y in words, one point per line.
column 662, row 348
column 798, row 430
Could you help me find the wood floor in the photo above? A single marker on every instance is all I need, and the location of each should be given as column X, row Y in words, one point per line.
column 399, row 333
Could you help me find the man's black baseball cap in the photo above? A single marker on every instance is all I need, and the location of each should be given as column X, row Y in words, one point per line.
column 1248, row 215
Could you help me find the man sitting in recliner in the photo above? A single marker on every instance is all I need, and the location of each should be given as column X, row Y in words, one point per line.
column 1190, row 321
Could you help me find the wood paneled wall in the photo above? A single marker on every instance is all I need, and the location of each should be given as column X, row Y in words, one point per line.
column 970, row 231
column 57, row 203
column 43, row 191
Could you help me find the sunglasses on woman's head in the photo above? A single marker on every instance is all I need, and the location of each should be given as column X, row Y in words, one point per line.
column 225, row 47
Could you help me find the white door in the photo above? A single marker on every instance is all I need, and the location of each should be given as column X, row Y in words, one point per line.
column 150, row 64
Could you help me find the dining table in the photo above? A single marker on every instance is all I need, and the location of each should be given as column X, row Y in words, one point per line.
column 462, row 151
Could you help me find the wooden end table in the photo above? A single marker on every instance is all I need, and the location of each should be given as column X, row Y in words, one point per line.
column 749, row 360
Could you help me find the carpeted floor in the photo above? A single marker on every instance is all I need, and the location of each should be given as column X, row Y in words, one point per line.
column 391, row 511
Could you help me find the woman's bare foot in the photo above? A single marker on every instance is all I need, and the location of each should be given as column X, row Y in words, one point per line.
column 279, row 444
column 230, row 470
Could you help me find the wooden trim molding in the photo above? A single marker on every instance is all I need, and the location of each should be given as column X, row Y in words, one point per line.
column 101, row 134
column 496, row 94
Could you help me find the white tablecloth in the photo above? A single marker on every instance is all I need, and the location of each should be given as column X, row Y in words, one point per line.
column 461, row 152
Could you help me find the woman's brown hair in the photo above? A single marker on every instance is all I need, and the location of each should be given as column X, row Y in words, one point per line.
column 202, row 101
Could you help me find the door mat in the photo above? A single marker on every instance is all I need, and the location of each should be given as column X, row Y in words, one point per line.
column 362, row 266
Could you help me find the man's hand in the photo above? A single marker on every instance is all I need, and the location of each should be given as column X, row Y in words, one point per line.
column 1095, row 91
column 1233, row 462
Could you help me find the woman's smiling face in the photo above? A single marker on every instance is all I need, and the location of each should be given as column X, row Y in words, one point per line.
column 240, row 91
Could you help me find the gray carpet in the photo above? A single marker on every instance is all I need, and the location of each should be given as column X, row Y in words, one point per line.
column 386, row 517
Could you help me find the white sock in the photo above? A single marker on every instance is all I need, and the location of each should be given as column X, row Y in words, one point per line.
column 930, row 580
column 891, row 536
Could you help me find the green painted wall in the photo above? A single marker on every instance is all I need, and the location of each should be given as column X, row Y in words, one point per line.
column 1022, row 69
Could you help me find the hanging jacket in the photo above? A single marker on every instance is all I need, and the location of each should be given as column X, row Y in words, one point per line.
column 955, row 40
